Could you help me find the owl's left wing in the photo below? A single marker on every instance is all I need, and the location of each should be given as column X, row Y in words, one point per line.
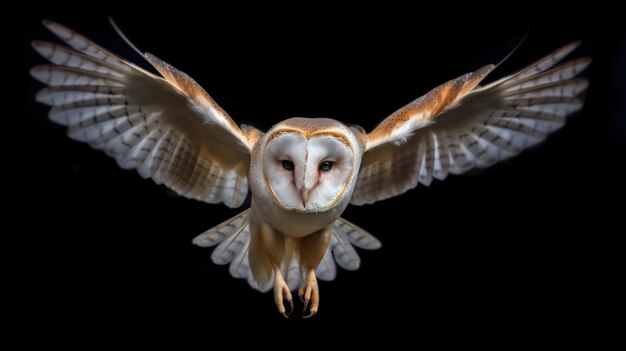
column 459, row 125
column 168, row 129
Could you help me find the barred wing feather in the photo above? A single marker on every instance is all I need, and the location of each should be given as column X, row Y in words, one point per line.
column 168, row 129
column 459, row 126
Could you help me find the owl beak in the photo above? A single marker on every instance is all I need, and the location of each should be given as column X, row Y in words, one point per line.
column 305, row 197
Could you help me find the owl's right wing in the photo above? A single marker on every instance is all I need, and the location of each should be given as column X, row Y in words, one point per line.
column 168, row 129
column 459, row 125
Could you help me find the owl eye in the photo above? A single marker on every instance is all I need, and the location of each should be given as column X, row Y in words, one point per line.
column 288, row 165
column 326, row 166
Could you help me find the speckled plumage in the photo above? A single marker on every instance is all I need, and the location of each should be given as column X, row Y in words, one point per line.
column 303, row 172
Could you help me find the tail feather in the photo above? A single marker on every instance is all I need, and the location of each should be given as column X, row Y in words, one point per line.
column 356, row 235
column 230, row 248
column 232, row 238
column 240, row 266
column 222, row 231
column 327, row 270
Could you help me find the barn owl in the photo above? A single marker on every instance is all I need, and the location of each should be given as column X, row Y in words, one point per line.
column 303, row 172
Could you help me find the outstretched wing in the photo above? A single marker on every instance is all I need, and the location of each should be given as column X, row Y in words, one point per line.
column 168, row 129
column 459, row 125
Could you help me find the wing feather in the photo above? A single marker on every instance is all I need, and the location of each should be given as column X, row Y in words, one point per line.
column 168, row 129
column 459, row 125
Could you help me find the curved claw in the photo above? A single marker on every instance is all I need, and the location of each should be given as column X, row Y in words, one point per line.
column 312, row 311
column 287, row 314
column 306, row 304
column 311, row 314
column 282, row 294
column 309, row 295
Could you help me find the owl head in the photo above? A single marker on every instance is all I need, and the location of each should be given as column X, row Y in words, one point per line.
column 310, row 164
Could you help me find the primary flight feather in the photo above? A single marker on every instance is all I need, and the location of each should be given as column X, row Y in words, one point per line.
column 304, row 171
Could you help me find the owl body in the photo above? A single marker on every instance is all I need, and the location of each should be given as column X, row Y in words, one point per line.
column 303, row 172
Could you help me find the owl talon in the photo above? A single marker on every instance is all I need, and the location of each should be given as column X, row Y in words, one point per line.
column 309, row 295
column 282, row 294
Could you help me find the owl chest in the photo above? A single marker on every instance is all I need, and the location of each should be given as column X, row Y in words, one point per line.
column 295, row 224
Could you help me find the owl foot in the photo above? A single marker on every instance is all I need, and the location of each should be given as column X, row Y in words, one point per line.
column 281, row 294
column 309, row 292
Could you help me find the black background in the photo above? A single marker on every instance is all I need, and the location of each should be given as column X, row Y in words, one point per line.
column 532, row 243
